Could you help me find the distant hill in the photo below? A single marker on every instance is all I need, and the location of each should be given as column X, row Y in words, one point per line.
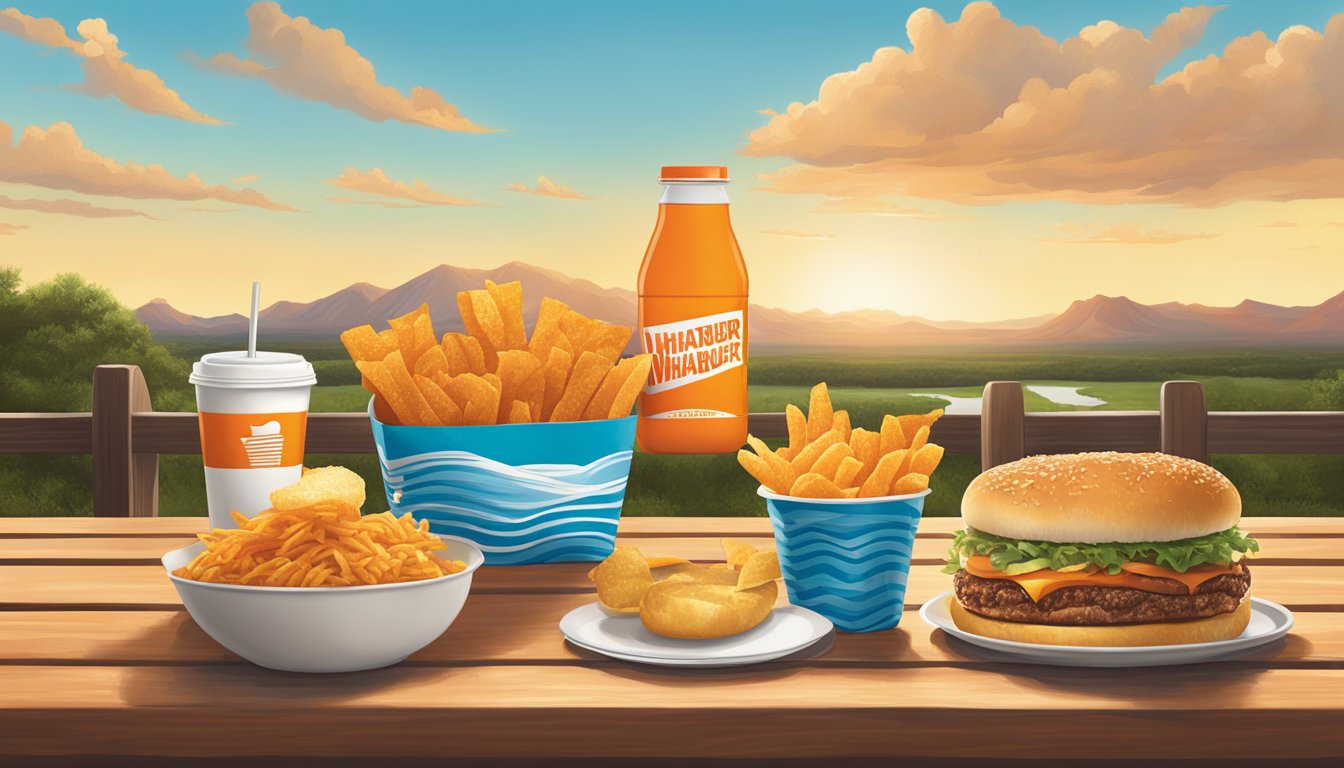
column 1098, row 320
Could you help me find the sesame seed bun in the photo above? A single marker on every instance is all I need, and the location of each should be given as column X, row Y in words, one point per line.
column 1088, row 498
column 1224, row 626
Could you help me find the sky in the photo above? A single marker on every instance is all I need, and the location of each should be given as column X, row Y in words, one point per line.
column 975, row 162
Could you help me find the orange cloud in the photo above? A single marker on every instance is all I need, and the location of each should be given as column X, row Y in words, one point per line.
column 982, row 110
column 376, row 182
column 794, row 234
column 56, row 159
column 302, row 59
column 344, row 200
column 69, row 208
column 248, row 179
column 547, row 188
column 1128, row 233
column 106, row 71
column 11, row 229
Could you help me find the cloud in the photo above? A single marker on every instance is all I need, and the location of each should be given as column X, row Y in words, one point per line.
column 69, row 208
column 1128, row 233
column 11, row 229
column 195, row 209
column 243, row 179
column 299, row 58
column 56, row 159
column 344, row 200
column 106, row 71
column 982, row 110
column 376, row 182
column 547, row 188
column 796, row 235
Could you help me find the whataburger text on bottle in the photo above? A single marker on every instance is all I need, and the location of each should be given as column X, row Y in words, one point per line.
column 693, row 319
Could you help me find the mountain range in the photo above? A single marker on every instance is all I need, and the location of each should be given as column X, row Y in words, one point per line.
column 1098, row 320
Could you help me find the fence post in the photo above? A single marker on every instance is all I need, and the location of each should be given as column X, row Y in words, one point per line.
column 125, row 484
column 1002, row 424
column 1185, row 420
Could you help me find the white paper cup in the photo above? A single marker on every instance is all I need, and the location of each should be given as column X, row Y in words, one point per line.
column 253, row 416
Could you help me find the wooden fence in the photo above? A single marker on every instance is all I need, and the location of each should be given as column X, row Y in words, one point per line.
column 126, row 436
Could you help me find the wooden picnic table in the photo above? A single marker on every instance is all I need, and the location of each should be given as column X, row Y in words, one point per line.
column 100, row 664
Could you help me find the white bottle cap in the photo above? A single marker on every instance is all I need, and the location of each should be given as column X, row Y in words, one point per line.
column 235, row 370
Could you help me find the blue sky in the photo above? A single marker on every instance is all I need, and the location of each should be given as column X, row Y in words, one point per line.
column 595, row 95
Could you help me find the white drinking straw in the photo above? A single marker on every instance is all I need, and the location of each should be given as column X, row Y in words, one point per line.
column 252, row 321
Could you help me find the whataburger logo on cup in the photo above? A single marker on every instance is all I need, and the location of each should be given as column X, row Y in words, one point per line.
column 252, row 440
column 692, row 350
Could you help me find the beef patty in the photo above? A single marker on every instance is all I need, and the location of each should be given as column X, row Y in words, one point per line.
column 1093, row 606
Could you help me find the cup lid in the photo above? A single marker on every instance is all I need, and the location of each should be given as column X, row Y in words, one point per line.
column 267, row 369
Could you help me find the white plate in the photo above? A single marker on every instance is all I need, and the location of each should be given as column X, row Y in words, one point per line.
column 1269, row 622
column 789, row 629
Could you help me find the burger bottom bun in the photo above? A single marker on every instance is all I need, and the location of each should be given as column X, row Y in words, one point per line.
column 1222, row 627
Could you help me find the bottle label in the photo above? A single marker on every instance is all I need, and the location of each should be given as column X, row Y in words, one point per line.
column 692, row 350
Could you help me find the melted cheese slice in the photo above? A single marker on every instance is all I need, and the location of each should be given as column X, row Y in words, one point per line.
column 1040, row 583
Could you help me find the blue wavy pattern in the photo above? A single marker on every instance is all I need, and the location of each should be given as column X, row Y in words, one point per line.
column 848, row 562
column 532, row 513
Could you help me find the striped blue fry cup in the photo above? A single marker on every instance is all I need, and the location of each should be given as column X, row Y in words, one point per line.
column 524, row 493
column 847, row 559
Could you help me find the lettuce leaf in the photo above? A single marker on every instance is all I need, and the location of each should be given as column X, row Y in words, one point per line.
column 1016, row 556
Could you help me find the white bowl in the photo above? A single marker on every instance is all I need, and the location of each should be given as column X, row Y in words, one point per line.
column 327, row 629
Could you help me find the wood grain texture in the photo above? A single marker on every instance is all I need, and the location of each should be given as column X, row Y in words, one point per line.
column 46, row 433
column 1306, row 588
column 1184, row 420
column 564, row 711
column 1282, row 432
column 515, row 629
column 1076, row 432
column 1002, row 430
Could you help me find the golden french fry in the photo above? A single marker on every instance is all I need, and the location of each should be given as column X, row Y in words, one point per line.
column 478, row 399
column 515, row 367
column 756, row 465
column 546, row 332
column 431, row 361
column 605, row 396
column 866, row 446
column 556, row 373
column 840, row 422
column 797, row 423
column 422, row 338
column 779, row 466
column 913, row 482
column 588, row 373
column 893, row 436
column 910, row 423
column 814, row 486
column 519, row 413
column 802, row 463
column 407, row 337
column 508, row 300
column 472, row 351
column 472, row 305
column 454, row 356
column 449, row 413
column 919, row 440
column 364, row 343
column 848, row 470
column 401, row 378
column 880, row 479
column 533, row 391
column 850, row 493
column 736, row 552
column 927, row 459
column 388, row 393
column 630, row 388
column 589, row 335
column 760, row 568
column 829, row 460
column 820, row 413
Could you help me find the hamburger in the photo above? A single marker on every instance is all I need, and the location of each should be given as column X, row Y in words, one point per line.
column 1101, row 549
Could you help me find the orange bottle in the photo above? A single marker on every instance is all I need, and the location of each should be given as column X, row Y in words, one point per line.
column 693, row 319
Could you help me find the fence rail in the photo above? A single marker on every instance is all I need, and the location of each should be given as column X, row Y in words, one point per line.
column 125, row 435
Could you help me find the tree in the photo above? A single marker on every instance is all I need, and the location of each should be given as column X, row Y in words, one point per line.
column 1326, row 391
column 53, row 334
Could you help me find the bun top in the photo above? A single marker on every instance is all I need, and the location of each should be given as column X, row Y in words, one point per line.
column 1098, row 497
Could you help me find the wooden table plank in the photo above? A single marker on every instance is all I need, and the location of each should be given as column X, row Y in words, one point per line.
column 1300, row 588
column 142, row 550
column 645, row 526
column 522, row 629
column 778, row 711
